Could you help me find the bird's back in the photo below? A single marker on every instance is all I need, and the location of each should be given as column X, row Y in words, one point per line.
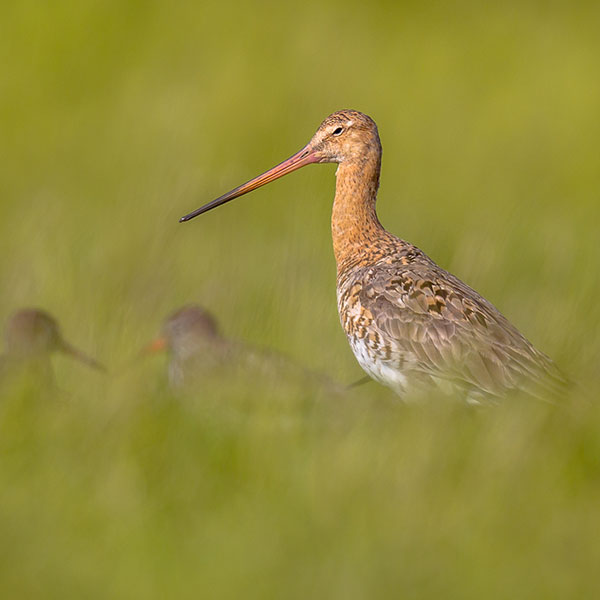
column 412, row 324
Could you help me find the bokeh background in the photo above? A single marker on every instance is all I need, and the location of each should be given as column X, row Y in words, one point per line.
column 118, row 117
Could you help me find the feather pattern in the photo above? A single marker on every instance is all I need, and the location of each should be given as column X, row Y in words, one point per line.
column 409, row 323
column 409, row 315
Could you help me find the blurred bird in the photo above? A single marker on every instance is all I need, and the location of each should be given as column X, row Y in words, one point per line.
column 31, row 337
column 197, row 349
column 411, row 325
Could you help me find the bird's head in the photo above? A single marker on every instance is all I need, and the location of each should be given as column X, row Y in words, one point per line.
column 32, row 333
column 344, row 136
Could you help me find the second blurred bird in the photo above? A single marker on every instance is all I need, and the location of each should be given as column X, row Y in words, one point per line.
column 196, row 348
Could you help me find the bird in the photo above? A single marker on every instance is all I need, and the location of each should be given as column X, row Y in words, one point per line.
column 197, row 349
column 411, row 325
column 31, row 336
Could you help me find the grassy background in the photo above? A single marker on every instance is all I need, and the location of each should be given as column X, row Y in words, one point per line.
column 116, row 118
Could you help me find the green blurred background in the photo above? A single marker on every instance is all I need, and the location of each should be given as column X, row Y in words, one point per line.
column 116, row 118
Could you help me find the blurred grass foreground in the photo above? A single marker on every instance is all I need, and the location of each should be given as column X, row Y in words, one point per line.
column 116, row 118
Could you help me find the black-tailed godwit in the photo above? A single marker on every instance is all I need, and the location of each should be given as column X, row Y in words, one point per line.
column 197, row 348
column 31, row 337
column 411, row 324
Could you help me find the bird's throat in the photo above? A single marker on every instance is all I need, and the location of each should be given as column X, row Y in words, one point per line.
column 355, row 227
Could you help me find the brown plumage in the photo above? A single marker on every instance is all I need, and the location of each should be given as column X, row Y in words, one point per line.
column 197, row 349
column 411, row 324
column 31, row 337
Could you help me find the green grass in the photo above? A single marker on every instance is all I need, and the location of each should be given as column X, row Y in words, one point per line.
column 117, row 118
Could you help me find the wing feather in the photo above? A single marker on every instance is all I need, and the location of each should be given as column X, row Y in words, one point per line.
column 445, row 329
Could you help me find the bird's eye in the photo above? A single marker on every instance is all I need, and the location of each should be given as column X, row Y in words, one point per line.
column 338, row 131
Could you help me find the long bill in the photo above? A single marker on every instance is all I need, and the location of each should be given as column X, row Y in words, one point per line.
column 80, row 356
column 306, row 156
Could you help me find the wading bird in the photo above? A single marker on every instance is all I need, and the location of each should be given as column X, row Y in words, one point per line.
column 31, row 337
column 197, row 349
column 411, row 325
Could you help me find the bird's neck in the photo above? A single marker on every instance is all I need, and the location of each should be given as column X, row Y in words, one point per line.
column 355, row 227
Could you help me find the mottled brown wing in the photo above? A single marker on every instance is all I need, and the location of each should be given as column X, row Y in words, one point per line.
column 448, row 331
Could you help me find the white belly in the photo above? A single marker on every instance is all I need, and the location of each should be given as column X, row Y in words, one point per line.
column 379, row 370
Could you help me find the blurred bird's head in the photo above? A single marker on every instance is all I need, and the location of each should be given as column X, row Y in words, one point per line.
column 186, row 332
column 32, row 333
